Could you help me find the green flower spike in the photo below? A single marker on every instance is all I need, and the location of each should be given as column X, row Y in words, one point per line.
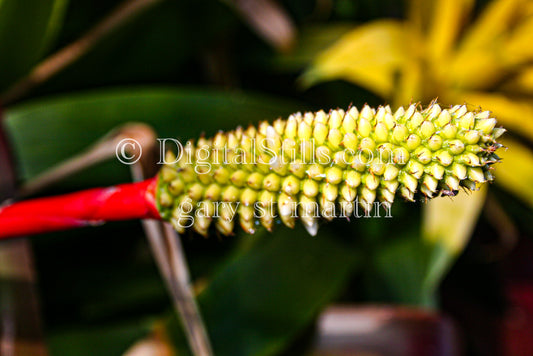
column 323, row 165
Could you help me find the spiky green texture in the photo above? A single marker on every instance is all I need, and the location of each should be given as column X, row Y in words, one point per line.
column 321, row 165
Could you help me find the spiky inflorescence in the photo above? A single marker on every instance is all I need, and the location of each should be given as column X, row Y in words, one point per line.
column 320, row 165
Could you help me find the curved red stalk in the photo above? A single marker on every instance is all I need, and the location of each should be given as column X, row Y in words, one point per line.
column 85, row 208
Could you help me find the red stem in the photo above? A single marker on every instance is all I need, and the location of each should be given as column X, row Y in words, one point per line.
column 85, row 208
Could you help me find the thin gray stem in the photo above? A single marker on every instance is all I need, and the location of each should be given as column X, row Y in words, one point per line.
column 170, row 258
column 101, row 151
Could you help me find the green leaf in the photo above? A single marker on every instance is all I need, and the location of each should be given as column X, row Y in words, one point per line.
column 408, row 267
column 311, row 41
column 447, row 224
column 111, row 339
column 155, row 46
column 45, row 132
column 27, row 27
column 262, row 299
column 403, row 271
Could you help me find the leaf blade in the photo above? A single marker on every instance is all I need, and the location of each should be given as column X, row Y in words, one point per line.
column 299, row 275
column 451, row 221
column 45, row 132
column 22, row 46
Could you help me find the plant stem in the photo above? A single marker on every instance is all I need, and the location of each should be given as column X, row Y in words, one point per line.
column 85, row 208
column 21, row 327
column 172, row 262
column 102, row 150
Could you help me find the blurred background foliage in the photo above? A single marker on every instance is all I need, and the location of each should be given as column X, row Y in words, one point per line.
column 195, row 66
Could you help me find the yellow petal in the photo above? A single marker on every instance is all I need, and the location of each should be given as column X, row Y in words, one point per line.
column 418, row 15
column 521, row 83
column 514, row 115
column 495, row 44
column 450, row 221
column 515, row 173
column 468, row 69
column 369, row 56
column 494, row 21
column 410, row 84
column 448, row 18
column 518, row 48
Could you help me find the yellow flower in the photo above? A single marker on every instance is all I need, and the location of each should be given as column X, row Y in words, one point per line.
column 441, row 51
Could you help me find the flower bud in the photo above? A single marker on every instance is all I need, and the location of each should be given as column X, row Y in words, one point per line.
column 335, row 119
column 367, row 114
column 334, row 138
column 364, row 127
column 381, row 132
column 444, row 118
column 400, row 133
column 291, row 185
column 320, row 133
column 310, row 188
column 413, row 141
column 485, row 125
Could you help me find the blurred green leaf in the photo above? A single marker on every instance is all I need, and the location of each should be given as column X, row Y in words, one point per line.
column 113, row 339
column 399, row 269
column 27, row 27
column 46, row 132
column 311, row 41
column 261, row 300
column 447, row 224
column 156, row 46
column 410, row 268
